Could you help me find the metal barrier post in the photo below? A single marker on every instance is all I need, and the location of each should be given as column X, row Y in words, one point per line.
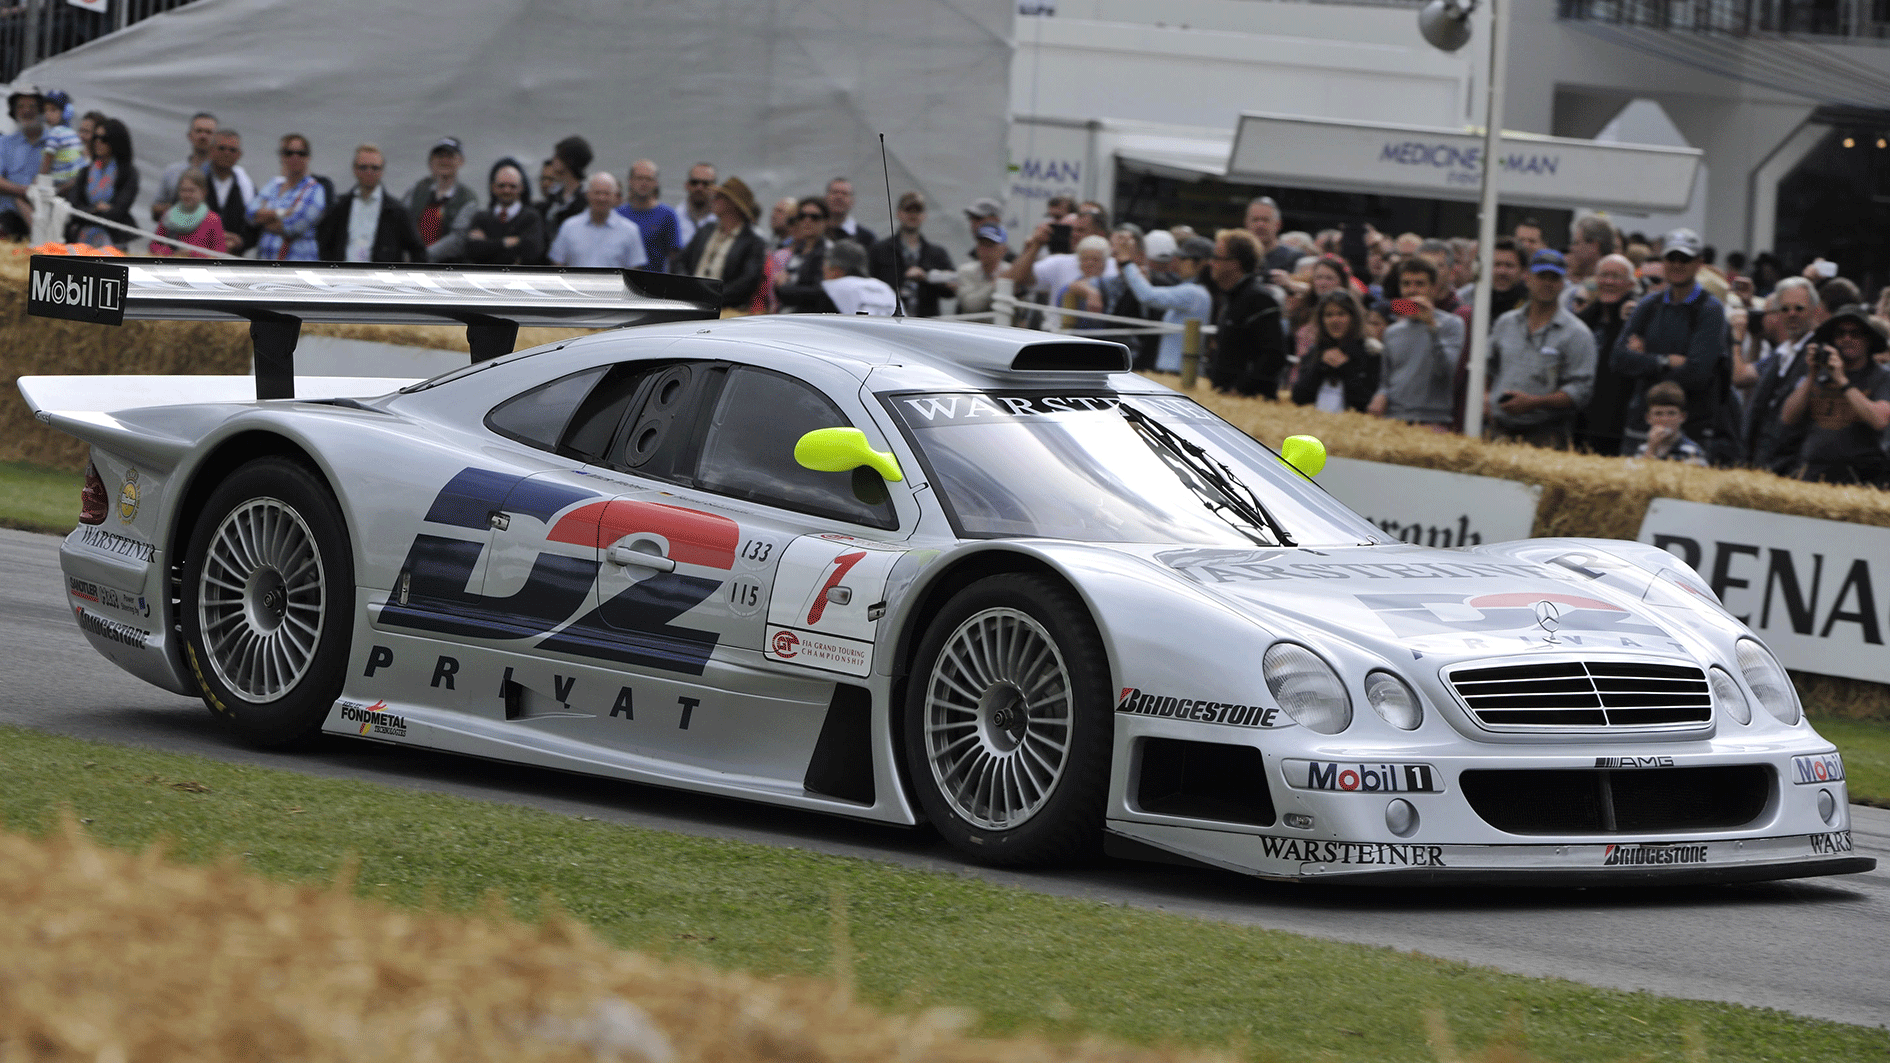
column 1004, row 302
column 50, row 211
column 1190, row 352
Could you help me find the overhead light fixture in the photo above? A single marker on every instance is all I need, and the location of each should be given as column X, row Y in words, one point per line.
column 1850, row 142
column 1446, row 23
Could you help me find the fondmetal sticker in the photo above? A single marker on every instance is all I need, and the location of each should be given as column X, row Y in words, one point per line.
column 373, row 720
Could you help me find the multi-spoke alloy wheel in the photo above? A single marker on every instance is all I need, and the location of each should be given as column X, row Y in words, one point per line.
column 260, row 599
column 268, row 601
column 997, row 719
column 1007, row 725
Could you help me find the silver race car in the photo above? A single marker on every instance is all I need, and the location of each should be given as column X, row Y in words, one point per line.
column 903, row 571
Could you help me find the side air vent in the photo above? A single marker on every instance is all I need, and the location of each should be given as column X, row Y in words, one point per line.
column 1204, row 780
column 1088, row 356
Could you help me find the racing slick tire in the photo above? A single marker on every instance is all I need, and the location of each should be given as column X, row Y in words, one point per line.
column 268, row 602
column 1008, row 722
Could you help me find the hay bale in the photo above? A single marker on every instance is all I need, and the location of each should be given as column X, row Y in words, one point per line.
column 113, row 956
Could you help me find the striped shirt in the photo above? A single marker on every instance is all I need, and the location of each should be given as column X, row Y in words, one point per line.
column 299, row 208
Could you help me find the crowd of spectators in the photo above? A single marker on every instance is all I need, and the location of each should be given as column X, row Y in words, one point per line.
column 1617, row 344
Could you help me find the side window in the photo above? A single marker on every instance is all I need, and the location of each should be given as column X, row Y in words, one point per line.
column 748, row 452
column 537, row 417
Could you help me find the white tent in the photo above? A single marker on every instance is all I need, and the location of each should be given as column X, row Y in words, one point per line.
column 783, row 93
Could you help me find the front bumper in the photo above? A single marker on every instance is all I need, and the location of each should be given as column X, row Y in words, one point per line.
column 1379, row 816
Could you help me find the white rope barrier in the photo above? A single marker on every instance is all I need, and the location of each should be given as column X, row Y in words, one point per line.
column 51, row 213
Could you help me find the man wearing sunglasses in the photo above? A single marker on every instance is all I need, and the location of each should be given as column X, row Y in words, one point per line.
column 697, row 206
column 368, row 225
column 1846, row 396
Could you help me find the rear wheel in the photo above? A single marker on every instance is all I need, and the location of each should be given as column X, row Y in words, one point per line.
column 268, row 602
column 1008, row 722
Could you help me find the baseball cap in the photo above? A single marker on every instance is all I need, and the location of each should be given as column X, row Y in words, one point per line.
column 447, row 144
column 1680, row 242
column 984, row 208
column 1198, row 248
column 993, row 233
column 1160, row 245
column 1548, row 260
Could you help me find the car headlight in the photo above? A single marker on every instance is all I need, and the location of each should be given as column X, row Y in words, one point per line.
column 1727, row 693
column 1394, row 701
column 1768, row 681
column 1307, row 688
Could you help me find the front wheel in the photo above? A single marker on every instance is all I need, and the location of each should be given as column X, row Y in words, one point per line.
column 1008, row 722
column 268, row 602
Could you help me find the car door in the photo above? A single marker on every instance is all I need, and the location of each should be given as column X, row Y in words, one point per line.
column 704, row 549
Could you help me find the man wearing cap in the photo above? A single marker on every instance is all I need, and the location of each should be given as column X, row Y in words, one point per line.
column 600, row 238
column 982, row 212
column 1543, row 362
column 1179, row 303
column 978, row 275
column 441, row 208
column 1846, row 395
column 20, row 155
column 1678, row 335
column 730, row 250
column 920, row 270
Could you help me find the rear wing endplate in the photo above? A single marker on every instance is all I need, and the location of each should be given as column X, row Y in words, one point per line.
column 276, row 297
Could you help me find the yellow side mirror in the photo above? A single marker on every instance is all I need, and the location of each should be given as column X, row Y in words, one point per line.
column 842, row 450
column 1304, row 453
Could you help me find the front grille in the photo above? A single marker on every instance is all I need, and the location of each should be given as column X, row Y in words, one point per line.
column 1642, row 801
column 1584, row 695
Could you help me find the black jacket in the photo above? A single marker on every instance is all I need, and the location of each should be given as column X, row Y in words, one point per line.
column 124, row 191
column 395, row 238
column 526, row 224
column 741, row 269
column 803, row 292
column 231, row 210
column 886, row 261
column 1249, row 348
column 1359, row 374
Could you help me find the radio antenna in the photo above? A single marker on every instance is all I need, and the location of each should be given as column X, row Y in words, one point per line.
column 892, row 231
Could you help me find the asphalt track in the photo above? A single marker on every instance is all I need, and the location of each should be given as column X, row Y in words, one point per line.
column 1814, row 947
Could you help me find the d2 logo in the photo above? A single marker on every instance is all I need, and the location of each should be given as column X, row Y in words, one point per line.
column 633, row 626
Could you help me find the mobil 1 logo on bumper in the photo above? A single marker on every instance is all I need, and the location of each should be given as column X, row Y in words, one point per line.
column 1343, row 777
column 77, row 289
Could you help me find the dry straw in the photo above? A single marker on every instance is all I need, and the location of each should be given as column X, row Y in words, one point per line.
column 107, row 956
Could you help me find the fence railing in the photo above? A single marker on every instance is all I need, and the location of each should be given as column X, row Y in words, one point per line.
column 32, row 30
column 1862, row 21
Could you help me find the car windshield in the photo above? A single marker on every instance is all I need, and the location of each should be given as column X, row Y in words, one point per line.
column 1108, row 467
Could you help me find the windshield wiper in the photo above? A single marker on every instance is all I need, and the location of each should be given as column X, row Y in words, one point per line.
column 1236, row 494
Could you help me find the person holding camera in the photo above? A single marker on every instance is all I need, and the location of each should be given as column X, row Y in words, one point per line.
column 1846, row 395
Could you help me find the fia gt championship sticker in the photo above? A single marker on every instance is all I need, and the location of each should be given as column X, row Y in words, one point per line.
column 812, row 649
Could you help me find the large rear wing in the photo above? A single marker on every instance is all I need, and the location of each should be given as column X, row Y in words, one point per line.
column 276, row 297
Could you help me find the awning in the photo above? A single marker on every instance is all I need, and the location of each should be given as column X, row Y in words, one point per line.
column 1433, row 163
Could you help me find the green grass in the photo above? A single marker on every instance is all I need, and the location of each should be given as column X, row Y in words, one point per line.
column 1024, row 961
column 1866, row 748
column 39, row 499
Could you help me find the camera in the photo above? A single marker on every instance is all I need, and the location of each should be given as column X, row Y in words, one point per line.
column 1824, row 351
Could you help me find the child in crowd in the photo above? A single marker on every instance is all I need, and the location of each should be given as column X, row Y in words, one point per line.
column 1666, row 412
